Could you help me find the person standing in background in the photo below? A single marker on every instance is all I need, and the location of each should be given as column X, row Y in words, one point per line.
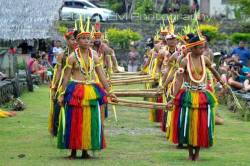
column 133, row 59
column 242, row 52
column 56, row 51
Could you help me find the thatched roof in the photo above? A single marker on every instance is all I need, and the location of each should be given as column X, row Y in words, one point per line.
column 28, row 19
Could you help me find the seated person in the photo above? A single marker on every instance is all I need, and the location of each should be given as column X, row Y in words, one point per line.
column 236, row 79
column 45, row 63
column 35, row 68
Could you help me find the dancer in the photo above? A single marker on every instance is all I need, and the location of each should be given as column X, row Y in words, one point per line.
column 80, row 125
column 193, row 118
column 61, row 60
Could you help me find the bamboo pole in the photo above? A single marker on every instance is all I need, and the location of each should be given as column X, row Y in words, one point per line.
column 123, row 77
column 133, row 80
column 128, row 78
column 141, row 102
column 126, row 73
column 129, row 83
column 139, row 105
column 132, row 90
column 137, row 94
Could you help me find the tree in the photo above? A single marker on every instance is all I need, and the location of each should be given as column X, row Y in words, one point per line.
column 242, row 6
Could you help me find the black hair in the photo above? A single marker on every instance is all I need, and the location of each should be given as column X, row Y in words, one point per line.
column 194, row 39
column 43, row 55
column 190, row 35
column 76, row 32
column 207, row 37
column 150, row 42
column 33, row 55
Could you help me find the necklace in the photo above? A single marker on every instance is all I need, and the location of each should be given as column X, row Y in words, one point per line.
column 190, row 71
column 87, row 67
column 195, row 69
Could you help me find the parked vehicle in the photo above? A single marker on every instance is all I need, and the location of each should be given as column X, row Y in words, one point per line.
column 71, row 10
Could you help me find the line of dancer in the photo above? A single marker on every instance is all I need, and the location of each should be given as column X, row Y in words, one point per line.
column 178, row 74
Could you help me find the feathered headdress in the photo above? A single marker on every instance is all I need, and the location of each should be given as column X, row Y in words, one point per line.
column 84, row 31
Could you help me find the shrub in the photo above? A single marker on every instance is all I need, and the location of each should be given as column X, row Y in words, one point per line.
column 122, row 38
column 145, row 7
column 62, row 29
column 209, row 30
column 116, row 6
column 237, row 37
column 184, row 9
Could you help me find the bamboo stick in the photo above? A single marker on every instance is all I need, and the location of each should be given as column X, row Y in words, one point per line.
column 126, row 73
column 137, row 94
column 129, row 83
column 132, row 90
column 140, row 102
column 131, row 76
column 139, row 105
column 133, row 80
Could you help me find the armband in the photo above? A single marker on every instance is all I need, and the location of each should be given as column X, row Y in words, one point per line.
column 180, row 70
column 61, row 91
column 213, row 65
column 172, row 97
column 67, row 64
column 97, row 65
column 59, row 64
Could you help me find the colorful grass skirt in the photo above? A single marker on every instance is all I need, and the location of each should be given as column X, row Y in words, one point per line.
column 54, row 117
column 156, row 114
column 80, row 124
column 193, row 118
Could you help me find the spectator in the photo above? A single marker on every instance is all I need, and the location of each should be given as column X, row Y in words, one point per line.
column 50, row 52
column 56, row 51
column 12, row 50
column 133, row 59
column 236, row 80
column 45, row 60
column 242, row 53
column 35, row 68
column 45, row 63
column 24, row 47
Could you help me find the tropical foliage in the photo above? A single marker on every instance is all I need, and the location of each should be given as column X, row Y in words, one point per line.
column 122, row 38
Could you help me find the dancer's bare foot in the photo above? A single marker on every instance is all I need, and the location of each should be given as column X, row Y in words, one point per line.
column 85, row 155
column 190, row 158
column 72, row 155
column 196, row 157
column 180, row 146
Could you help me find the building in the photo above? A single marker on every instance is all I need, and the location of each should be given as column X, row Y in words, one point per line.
column 29, row 19
column 215, row 7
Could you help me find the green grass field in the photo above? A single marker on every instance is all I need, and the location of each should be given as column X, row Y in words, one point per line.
column 133, row 140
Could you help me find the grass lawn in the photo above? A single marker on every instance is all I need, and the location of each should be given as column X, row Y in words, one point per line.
column 133, row 140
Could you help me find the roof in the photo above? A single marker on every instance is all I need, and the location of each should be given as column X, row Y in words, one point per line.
column 28, row 19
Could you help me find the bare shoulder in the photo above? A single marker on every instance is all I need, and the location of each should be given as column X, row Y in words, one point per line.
column 184, row 62
column 95, row 56
column 174, row 56
column 163, row 52
column 207, row 60
column 71, row 58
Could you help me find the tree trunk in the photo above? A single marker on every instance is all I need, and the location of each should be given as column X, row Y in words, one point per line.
column 164, row 8
column 132, row 8
column 156, row 5
column 126, row 5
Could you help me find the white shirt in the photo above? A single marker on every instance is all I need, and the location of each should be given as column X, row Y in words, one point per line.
column 56, row 51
